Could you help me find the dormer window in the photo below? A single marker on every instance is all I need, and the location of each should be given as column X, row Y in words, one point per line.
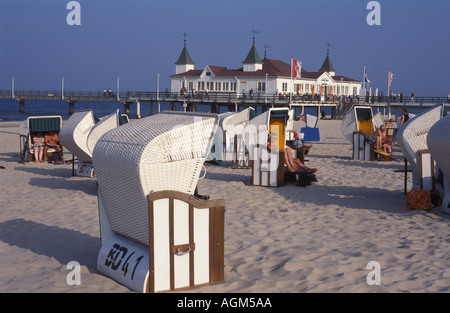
column 208, row 73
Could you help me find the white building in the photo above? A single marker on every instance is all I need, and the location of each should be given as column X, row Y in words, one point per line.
column 257, row 75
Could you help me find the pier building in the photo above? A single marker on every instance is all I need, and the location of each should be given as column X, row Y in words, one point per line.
column 261, row 76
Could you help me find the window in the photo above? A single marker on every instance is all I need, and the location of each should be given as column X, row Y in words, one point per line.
column 233, row 86
column 284, row 86
column 208, row 74
column 218, row 86
column 191, row 85
column 261, row 86
column 225, row 86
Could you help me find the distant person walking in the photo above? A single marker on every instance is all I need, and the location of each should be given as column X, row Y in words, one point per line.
column 405, row 116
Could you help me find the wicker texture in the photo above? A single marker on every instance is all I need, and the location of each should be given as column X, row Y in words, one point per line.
column 412, row 137
column 106, row 124
column 161, row 152
column 232, row 126
column 74, row 133
column 349, row 124
column 438, row 141
column 256, row 130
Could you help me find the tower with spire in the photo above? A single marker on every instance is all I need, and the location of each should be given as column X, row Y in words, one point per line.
column 184, row 62
column 327, row 66
column 252, row 62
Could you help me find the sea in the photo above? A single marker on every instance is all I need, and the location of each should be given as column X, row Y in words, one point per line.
column 9, row 109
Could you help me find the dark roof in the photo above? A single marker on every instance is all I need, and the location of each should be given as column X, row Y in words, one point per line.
column 184, row 58
column 252, row 57
column 271, row 67
column 327, row 66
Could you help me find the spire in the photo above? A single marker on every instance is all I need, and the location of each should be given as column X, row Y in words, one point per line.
column 327, row 66
column 184, row 58
column 252, row 57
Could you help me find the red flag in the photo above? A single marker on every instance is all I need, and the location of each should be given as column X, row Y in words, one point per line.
column 296, row 68
column 390, row 78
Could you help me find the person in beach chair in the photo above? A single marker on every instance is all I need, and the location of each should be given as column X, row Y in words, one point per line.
column 52, row 141
column 293, row 164
column 38, row 147
column 381, row 143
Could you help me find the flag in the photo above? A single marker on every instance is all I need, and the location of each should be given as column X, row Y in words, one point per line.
column 390, row 78
column 296, row 70
column 366, row 80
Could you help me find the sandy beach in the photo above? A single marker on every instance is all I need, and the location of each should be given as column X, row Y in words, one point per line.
column 277, row 240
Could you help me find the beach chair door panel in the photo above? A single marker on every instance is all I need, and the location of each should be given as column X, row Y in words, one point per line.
column 426, row 166
column 186, row 248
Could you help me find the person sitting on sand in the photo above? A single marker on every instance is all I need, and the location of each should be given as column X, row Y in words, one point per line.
column 52, row 141
column 38, row 147
column 381, row 143
column 293, row 164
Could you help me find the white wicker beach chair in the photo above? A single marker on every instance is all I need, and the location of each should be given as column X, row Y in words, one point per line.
column 438, row 141
column 81, row 133
column 147, row 172
column 74, row 134
column 358, row 118
column 412, row 138
column 232, row 126
column 267, row 167
column 104, row 125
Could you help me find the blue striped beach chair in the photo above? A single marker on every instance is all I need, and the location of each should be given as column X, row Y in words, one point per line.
column 33, row 125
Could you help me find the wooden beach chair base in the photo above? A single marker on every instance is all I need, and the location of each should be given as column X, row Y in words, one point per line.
column 185, row 251
column 301, row 178
column 383, row 155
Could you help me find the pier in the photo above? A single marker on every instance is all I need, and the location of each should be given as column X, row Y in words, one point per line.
column 232, row 101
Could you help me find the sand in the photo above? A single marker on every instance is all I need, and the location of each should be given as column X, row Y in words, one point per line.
column 277, row 240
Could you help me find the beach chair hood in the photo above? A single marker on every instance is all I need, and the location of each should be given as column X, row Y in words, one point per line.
column 412, row 135
column 74, row 133
column 257, row 129
column 160, row 152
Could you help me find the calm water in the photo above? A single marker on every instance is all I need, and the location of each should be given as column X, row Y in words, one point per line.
column 9, row 109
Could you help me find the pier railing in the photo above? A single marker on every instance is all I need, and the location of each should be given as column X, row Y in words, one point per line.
column 217, row 97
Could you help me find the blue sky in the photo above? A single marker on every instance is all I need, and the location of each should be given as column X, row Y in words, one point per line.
column 138, row 39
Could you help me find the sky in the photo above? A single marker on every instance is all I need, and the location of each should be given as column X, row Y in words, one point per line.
column 138, row 39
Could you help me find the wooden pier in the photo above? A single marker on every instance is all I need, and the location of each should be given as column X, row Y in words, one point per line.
column 215, row 100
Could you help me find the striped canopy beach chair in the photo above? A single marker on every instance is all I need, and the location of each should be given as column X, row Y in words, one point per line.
column 438, row 141
column 147, row 172
column 412, row 140
column 33, row 125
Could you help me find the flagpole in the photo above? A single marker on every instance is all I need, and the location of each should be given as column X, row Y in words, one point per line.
column 364, row 77
column 292, row 82
column 389, row 94
column 389, row 85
